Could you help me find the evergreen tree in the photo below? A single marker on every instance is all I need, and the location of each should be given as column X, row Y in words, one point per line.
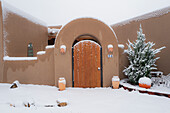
column 142, row 59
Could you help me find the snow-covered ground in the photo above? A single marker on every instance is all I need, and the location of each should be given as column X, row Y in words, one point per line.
column 157, row 89
column 87, row 100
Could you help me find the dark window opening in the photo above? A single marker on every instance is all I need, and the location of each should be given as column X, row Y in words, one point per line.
column 51, row 41
column 30, row 50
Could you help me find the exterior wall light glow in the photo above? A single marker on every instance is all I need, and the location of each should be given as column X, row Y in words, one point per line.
column 62, row 49
column 110, row 48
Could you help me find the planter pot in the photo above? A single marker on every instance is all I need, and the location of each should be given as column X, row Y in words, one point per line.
column 115, row 82
column 62, row 84
column 144, row 86
column 145, row 82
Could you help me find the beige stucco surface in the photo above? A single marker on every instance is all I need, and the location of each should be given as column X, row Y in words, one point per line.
column 1, row 46
column 39, row 71
column 88, row 26
column 156, row 29
column 20, row 32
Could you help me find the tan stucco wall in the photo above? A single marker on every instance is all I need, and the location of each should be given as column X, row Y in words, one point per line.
column 1, row 45
column 122, row 61
column 156, row 29
column 68, row 34
column 20, row 32
column 39, row 71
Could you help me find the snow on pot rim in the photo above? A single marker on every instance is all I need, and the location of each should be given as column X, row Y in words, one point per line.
column 110, row 46
column 62, row 80
column 115, row 78
column 63, row 47
column 145, row 80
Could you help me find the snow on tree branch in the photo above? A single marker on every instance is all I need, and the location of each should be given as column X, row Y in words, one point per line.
column 141, row 56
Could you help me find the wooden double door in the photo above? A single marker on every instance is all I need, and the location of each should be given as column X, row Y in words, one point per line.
column 87, row 64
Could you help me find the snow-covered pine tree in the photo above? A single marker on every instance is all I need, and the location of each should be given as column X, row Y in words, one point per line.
column 142, row 59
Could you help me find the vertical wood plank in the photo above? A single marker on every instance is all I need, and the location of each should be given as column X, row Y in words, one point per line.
column 75, row 66
column 83, row 65
column 93, row 66
column 98, row 65
column 87, row 64
column 80, row 64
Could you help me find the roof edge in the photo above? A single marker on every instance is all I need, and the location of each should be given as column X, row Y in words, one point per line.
column 153, row 14
column 8, row 8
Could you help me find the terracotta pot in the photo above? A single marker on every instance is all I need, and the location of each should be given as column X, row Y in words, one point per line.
column 62, row 84
column 115, row 84
column 145, row 82
column 62, row 50
column 144, row 86
column 110, row 50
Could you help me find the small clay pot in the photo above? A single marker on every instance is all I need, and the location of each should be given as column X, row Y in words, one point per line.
column 144, row 86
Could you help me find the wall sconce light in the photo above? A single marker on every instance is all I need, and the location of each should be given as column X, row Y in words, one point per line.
column 62, row 49
column 110, row 48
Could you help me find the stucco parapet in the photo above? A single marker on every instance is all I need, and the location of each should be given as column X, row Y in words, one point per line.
column 39, row 54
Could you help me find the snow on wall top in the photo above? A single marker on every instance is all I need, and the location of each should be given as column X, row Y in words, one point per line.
column 7, row 8
column 7, row 58
column 49, row 46
column 156, row 13
column 53, row 30
column 41, row 52
column 121, row 46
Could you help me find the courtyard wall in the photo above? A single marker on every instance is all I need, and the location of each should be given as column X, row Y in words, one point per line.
column 156, row 28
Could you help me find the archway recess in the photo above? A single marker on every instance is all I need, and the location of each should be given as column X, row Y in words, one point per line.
column 83, row 26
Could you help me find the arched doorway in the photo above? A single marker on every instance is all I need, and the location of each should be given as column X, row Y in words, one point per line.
column 87, row 62
column 103, row 35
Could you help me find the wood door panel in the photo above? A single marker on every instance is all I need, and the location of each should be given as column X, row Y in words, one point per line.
column 86, row 63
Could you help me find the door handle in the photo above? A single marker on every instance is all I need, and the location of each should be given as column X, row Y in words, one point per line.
column 98, row 68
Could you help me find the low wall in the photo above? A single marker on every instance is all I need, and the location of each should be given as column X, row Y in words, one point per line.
column 40, row 71
column 156, row 29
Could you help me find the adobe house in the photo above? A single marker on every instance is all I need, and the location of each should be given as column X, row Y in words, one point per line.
column 86, row 51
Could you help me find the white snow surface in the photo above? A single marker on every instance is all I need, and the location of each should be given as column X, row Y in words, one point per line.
column 145, row 80
column 7, row 58
column 63, row 47
column 53, row 30
column 50, row 46
column 40, row 52
column 60, row 100
column 80, row 100
column 121, row 46
column 62, row 80
column 115, row 78
column 110, row 46
column 58, row 12
column 157, row 89
column 16, row 82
